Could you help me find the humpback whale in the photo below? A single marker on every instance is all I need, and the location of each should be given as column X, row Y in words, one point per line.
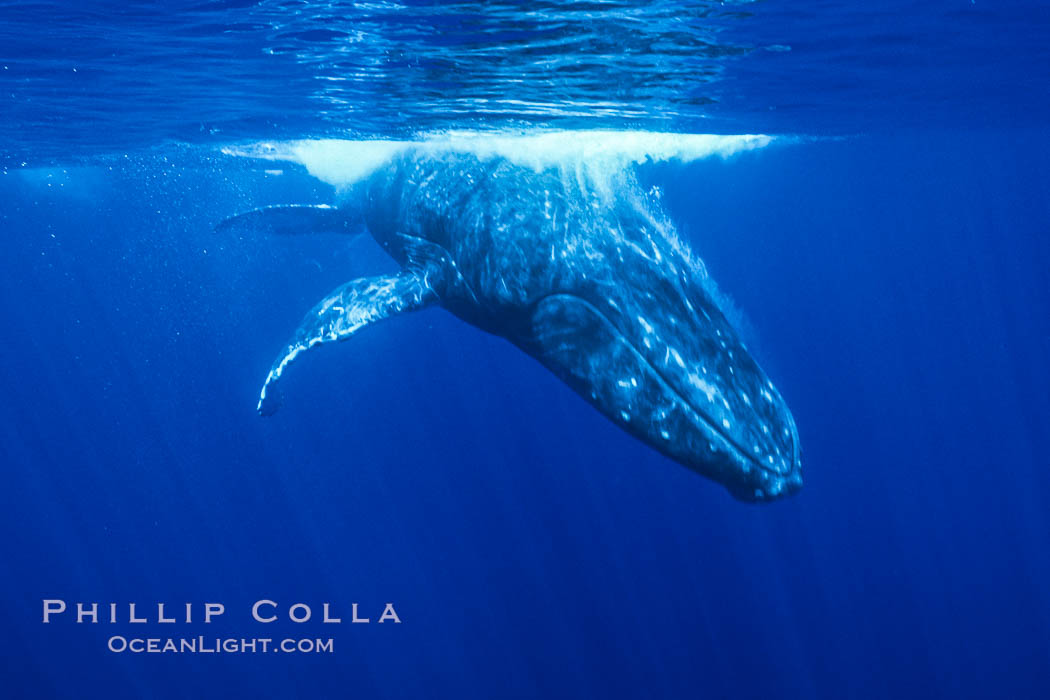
column 584, row 273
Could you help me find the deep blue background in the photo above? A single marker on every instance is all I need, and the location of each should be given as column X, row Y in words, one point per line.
column 894, row 286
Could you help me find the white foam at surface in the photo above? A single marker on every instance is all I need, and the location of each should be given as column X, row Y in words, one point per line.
column 343, row 162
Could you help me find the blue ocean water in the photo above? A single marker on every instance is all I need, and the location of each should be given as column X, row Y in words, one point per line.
column 885, row 255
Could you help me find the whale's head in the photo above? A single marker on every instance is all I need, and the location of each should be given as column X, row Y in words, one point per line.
column 652, row 350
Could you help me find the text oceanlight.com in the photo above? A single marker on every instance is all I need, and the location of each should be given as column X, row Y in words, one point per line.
column 218, row 645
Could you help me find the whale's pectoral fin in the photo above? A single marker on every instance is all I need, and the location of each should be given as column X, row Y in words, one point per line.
column 293, row 218
column 345, row 311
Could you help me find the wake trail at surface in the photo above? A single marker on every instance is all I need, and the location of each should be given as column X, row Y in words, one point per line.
column 600, row 154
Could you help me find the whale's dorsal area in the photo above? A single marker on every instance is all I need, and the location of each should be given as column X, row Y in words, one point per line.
column 549, row 241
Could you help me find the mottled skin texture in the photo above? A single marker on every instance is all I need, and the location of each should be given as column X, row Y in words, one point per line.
column 587, row 275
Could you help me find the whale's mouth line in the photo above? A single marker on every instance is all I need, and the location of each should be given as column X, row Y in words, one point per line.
column 740, row 452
